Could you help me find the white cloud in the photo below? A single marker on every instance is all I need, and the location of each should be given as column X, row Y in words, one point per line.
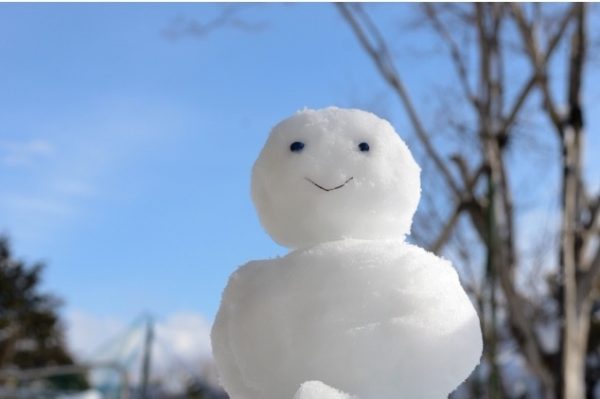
column 86, row 332
column 184, row 335
column 181, row 349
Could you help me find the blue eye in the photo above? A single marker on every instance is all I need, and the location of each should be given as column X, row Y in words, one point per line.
column 364, row 147
column 296, row 146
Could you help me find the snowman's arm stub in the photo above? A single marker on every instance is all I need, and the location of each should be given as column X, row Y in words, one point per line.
column 434, row 285
column 223, row 336
column 448, row 318
column 229, row 374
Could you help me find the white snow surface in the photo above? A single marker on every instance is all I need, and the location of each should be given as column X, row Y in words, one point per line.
column 354, row 311
column 382, row 187
column 318, row 390
column 375, row 319
column 90, row 394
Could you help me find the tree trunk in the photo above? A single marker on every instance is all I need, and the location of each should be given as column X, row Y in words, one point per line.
column 573, row 347
column 576, row 318
column 575, row 308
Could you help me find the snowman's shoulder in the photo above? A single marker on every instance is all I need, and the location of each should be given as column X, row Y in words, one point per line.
column 426, row 261
column 417, row 252
column 255, row 268
column 250, row 275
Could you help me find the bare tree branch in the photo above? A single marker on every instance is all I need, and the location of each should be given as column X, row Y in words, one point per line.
column 588, row 281
column 491, row 213
column 228, row 17
column 467, row 199
column 520, row 100
column 375, row 46
column 443, row 237
column 455, row 52
column 591, row 230
column 539, row 61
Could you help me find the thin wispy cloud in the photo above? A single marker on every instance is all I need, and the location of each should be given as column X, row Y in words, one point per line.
column 60, row 177
column 18, row 153
column 35, row 206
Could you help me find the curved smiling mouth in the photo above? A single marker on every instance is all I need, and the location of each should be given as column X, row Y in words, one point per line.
column 329, row 189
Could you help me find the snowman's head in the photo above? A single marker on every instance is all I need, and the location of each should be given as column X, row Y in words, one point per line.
column 334, row 173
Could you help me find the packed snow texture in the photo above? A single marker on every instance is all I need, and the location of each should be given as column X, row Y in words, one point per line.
column 375, row 319
column 318, row 390
column 381, row 189
column 355, row 312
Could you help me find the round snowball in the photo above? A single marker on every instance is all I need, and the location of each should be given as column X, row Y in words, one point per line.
column 375, row 319
column 351, row 177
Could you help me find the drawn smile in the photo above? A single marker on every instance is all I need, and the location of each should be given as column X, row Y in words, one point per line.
column 329, row 189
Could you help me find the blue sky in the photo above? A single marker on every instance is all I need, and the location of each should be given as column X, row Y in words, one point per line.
column 125, row 157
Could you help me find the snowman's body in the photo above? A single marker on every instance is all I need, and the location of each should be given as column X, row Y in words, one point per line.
column 371, row 316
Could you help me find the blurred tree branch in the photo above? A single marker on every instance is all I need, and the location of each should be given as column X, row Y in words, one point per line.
column 229, row 16
column 373, row 42
column 491, row 211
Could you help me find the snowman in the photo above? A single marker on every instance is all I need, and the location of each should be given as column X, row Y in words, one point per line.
column 353, row 311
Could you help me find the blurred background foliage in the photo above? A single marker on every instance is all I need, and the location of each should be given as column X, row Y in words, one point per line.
column 31, row 334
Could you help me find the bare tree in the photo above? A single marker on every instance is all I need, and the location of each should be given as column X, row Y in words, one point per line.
column 480, row 187
column 229, row 17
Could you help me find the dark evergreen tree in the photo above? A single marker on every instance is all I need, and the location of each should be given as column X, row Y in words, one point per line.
column 31, row 334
